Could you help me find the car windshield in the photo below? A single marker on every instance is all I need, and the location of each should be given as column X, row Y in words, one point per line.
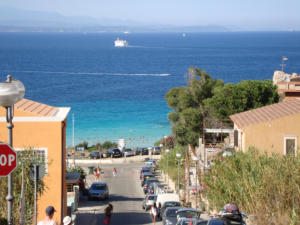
column 204, row 222
column 216, row 222
column 98, row 187
column 189, row 214
column 171, row 212
column 152, row 197
column 172, row 204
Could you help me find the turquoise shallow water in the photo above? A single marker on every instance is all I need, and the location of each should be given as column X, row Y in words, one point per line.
column 119, row 92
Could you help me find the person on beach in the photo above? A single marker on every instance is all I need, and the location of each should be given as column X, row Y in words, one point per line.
column 108, row 212
column 49, row 217
column 154, row 212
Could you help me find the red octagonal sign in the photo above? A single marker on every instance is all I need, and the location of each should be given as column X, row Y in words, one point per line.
column 8, row 160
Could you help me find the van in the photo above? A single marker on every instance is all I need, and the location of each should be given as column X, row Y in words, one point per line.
column 166, row 197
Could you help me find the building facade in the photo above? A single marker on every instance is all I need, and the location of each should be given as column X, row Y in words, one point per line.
column 42, row 129
column 273, row 128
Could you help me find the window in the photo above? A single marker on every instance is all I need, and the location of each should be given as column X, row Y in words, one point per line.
column 40, row 153
column 290, row 145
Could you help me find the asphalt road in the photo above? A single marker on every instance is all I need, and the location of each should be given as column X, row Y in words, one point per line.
column 126, row 196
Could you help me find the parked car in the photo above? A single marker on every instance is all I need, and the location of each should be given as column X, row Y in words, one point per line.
column 148, row 201
column 169, row 217
column 98, row 190
column 128, row 152
column 168, row 204
column 191, row 221
column 139, row 150
column 114, row 152
column 156, row 150
column 166, row 197
column 146, row 176
column 143, row 170
column 94, row 155
column 188, row 213
column 145, row 151
column 148, row 182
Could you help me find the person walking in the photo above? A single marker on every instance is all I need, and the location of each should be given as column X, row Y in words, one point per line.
column 114, row 172
column 108, row 212
column 154, row 212
column 49, row 217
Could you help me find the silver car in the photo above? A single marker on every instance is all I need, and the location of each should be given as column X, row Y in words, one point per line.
column 148, row 201
column 98, row 190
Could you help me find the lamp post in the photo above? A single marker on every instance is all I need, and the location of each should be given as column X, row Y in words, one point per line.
column 167, row 151
column 196, row 164
column 11, row 91
column 178, row 155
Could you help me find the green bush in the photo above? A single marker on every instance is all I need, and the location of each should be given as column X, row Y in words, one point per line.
column 77, row 169
column 265, row 186
column 25, row 159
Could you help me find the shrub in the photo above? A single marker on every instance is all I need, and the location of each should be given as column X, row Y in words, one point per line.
column 265, row 186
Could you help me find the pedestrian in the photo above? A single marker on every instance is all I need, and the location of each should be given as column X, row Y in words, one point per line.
column 96, row 172
column 67, row 220
column 108, row 212
column 159, row 209
column 114, row 172
column 49, row 217
column 154, row 212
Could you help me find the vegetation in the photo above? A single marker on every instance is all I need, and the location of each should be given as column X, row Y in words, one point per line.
column 25, row 159
column 106, row 145
column 77, row 169
column 266, row 186
column 205, row 97
column 168, row 163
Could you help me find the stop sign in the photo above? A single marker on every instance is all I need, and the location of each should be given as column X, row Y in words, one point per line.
column 8, row 160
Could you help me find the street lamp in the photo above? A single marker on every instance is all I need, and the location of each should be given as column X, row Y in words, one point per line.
column 195, row 159
column 178, row 155
column 167, row 151
column 11, row 91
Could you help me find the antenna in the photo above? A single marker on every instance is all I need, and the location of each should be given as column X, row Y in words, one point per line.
column 284, row 58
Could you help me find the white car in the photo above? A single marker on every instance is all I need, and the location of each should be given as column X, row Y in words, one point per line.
column 128, row 152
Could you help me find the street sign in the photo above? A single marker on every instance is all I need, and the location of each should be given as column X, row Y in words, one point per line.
column 40, row 171
column 8, row 160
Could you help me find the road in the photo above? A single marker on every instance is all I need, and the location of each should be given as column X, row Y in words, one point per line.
column 126, row 195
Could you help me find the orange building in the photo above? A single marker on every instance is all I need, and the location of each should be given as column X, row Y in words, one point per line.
column 273, row 128
column 43, row 129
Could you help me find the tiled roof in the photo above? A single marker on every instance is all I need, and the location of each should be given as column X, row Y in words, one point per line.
column 266, row 113
column 36, row 108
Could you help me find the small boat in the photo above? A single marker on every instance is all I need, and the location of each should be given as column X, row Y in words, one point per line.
column 121, row 43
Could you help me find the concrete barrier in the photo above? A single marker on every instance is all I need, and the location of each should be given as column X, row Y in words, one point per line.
column 132, row 159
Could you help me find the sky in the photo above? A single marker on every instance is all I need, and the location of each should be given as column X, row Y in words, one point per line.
column 247, row 14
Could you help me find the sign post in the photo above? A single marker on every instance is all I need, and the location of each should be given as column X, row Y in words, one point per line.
column 8, row 160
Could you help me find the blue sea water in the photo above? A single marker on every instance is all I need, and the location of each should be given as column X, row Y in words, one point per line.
column 119, row 92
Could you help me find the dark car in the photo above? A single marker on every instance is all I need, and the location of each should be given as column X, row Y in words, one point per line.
column 169, row 217
column 141, row 151
column 145, row 151
column 114, row 153
column 146, row 176
column 98, row 190
column 94, row 155
column 143, row 170
column 148, row 182
column 169, row 204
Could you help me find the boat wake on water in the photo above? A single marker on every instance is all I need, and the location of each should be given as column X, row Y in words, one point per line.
column 95, row 73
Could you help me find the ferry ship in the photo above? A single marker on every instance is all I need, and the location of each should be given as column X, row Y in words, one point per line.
column 121, row 43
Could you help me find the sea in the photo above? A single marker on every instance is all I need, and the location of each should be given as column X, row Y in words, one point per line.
column 119, row 93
